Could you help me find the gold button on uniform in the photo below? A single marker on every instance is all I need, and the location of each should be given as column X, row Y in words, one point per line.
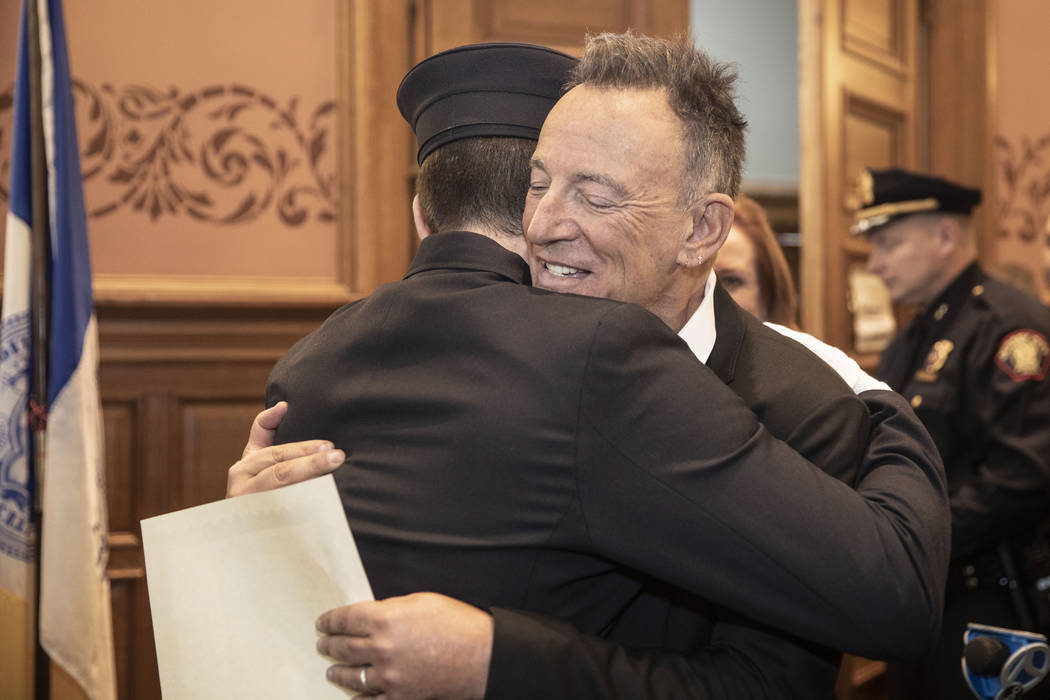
column 916, row 401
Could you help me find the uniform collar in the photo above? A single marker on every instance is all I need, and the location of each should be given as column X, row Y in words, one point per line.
column 699, row 331
column 968, row 284
column 463, row 250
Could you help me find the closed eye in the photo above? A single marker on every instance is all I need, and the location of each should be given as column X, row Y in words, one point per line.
column 598, row 202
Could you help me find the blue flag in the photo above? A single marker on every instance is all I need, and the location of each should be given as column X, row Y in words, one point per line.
column 75, row 622
column 17, row 533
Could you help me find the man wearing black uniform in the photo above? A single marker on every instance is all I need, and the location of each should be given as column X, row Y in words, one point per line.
column 420, row 356
column 973, row 364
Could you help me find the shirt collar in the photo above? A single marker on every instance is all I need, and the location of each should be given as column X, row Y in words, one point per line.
column 699, row 331
column 463, row 250
column 954, row 295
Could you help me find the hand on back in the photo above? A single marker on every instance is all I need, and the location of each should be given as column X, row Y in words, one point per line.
column 264, row 466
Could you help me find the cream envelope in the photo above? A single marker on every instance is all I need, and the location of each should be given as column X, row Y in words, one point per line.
column 235, row 587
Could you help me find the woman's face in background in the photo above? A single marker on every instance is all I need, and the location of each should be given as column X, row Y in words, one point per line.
column 735, row 268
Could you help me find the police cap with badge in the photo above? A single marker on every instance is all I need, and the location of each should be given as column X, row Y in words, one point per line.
column 496, row 89
column 887, row 195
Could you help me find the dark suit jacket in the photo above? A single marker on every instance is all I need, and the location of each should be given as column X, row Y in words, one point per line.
column 799, row 399
column 512, row 447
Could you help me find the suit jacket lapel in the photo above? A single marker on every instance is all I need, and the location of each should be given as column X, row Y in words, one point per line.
column 730, row 329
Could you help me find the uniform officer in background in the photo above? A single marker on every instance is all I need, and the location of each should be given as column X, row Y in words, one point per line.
column 973, row 364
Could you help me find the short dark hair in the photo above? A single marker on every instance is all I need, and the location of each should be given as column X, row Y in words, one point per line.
column 699, row 90
column 476, row 181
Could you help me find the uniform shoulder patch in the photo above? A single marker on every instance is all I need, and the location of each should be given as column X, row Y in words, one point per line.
column 1023, row 354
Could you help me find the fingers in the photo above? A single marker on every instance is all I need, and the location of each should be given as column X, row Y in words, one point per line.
column 414, row 646
column 360, row 679
column 348, row 650
column 357, row 620
column 279, row 465
column 296, row 462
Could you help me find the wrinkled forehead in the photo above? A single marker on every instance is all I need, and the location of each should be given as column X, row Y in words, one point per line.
column 586, row 102
column 626, row 128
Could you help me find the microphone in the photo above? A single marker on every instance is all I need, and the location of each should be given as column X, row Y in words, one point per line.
column 986, row 656
column 1002, row 664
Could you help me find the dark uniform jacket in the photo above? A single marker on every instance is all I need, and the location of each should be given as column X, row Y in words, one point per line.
column 800, row 400
column 513, row 447
column 973, row 364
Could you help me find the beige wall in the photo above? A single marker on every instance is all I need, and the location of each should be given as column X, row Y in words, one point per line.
column 207, row 134
column 208, row 143
column 1023, row 145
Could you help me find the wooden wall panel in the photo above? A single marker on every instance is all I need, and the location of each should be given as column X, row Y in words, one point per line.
column 180, row 387
column 443, row 24
column 876, row 30
column 873, row 136
column 556, row 20
column 118, row 419
column 211, row 432
column 960, row 121
column 860, row 99
column 915, row 84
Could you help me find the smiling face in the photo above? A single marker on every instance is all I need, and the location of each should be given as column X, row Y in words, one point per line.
column 602, row 216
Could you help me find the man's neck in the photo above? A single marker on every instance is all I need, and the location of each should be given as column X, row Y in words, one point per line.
column 683, row 296
column 950, row 273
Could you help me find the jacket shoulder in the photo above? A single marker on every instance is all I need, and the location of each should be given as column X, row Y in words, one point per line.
column 1011, row 308
column 801, row 371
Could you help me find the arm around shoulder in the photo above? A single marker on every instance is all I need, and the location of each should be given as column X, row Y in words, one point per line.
column 669, row 454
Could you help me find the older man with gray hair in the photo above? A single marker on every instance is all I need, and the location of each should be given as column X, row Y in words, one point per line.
column 620, row 206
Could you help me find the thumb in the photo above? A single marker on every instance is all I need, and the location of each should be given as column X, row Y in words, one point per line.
column 264, row 425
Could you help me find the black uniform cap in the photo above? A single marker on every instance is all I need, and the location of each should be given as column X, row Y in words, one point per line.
column 500, row 89
column 890, row 194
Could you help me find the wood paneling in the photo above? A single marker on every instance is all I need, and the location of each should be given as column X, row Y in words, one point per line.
column 508, row 18
column 376, row 145
column 859, row 97
column 180, row 386
column 961, row 100
column 207, row 429
column 877, row 31
column 883, row 84
column 873, row 136
column 443, row 24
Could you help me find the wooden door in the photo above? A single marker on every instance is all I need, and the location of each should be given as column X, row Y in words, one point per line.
column 443, row 24
column 885, row 83
column 859, row 107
